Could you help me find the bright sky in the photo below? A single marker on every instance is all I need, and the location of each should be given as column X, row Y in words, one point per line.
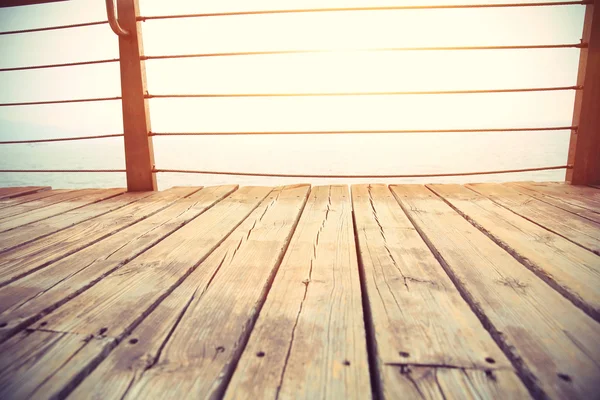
column 338, row 71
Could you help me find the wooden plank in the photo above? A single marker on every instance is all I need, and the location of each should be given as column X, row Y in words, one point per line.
column 309, row 340
column 580, row 196
column 570, row 269
column 584, row 146
column 119, row 302
column 33, row 206
column 26, row 259
column 552, row 343
column 10, row 192
column 577, row 229
column 139, row 152
column 428, row 341
column 557, row 202
column 36, row 230
column 70, row 203
column 29, row 355
column 224, row 292
column 28, row 197
column 26, row 299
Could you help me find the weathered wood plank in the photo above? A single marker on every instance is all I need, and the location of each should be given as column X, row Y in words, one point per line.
column 119, row 302
column 30, row 355
column 552, row 343
column 36, row 230
column 570, row 269
column 89, row 196
column 40, row 292
column 581, row 196
column 428, row 341
column 23, row 260
column 577, row 229
column 10, row 202
column 560, row 203
column 224, row 293
column 7, row 193
column 58, row 196
column 309, row 340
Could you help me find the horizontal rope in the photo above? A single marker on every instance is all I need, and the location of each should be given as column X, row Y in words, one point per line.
column 381, row 8
column 61, row 170
column 185, row 171
column 339, row 132
column 381, row 49
column 61, row 139
column 209, row 95
column 52, row 28
column 33, row 103
column 71, row 64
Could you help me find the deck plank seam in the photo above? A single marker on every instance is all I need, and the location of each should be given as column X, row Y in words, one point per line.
column 536, row 270
column 26, row 322
column 372, row 348
column 127, row 331
column 543, row 198
column 8, row 219
column 75, row 250
column 523, row 372
column 597, row 252
column 558, row 198
column 242, row 341
column 306, row 283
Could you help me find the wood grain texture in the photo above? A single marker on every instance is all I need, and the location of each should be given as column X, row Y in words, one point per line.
column 570, row 269
column 577, row 229
column 204, row 319
column 121, row 300
column 26, row 299
column 72, row 200
column 556, row 202
column 37, row 230
column 7, row 193
column 309, row 340
column 552, row 343
column 11, row 202
column 23, row 260
column 60, row 356
column 428, row 341
column 114, row 306
column 581, row 196
column 47, row 198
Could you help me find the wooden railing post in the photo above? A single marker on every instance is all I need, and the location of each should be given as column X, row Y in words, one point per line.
column 584, row 147
column 139, row 153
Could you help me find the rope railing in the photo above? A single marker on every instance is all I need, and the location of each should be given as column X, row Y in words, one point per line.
column 365, row 131
column 52, row 28
column 60, row 170
column 63, row 139
column 71, row 64
column 33, row 103
column 359, row 176
column 333, row 94
column 350, row 9
column 376, row 49
column 274, row 175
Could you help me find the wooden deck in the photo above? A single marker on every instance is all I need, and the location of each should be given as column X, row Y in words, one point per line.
column 408, row 291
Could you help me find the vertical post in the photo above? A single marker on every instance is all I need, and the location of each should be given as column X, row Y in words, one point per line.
column 584, row 147
column 139, row 152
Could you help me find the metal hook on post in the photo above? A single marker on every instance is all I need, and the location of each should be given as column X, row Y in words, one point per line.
column 112, row 19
